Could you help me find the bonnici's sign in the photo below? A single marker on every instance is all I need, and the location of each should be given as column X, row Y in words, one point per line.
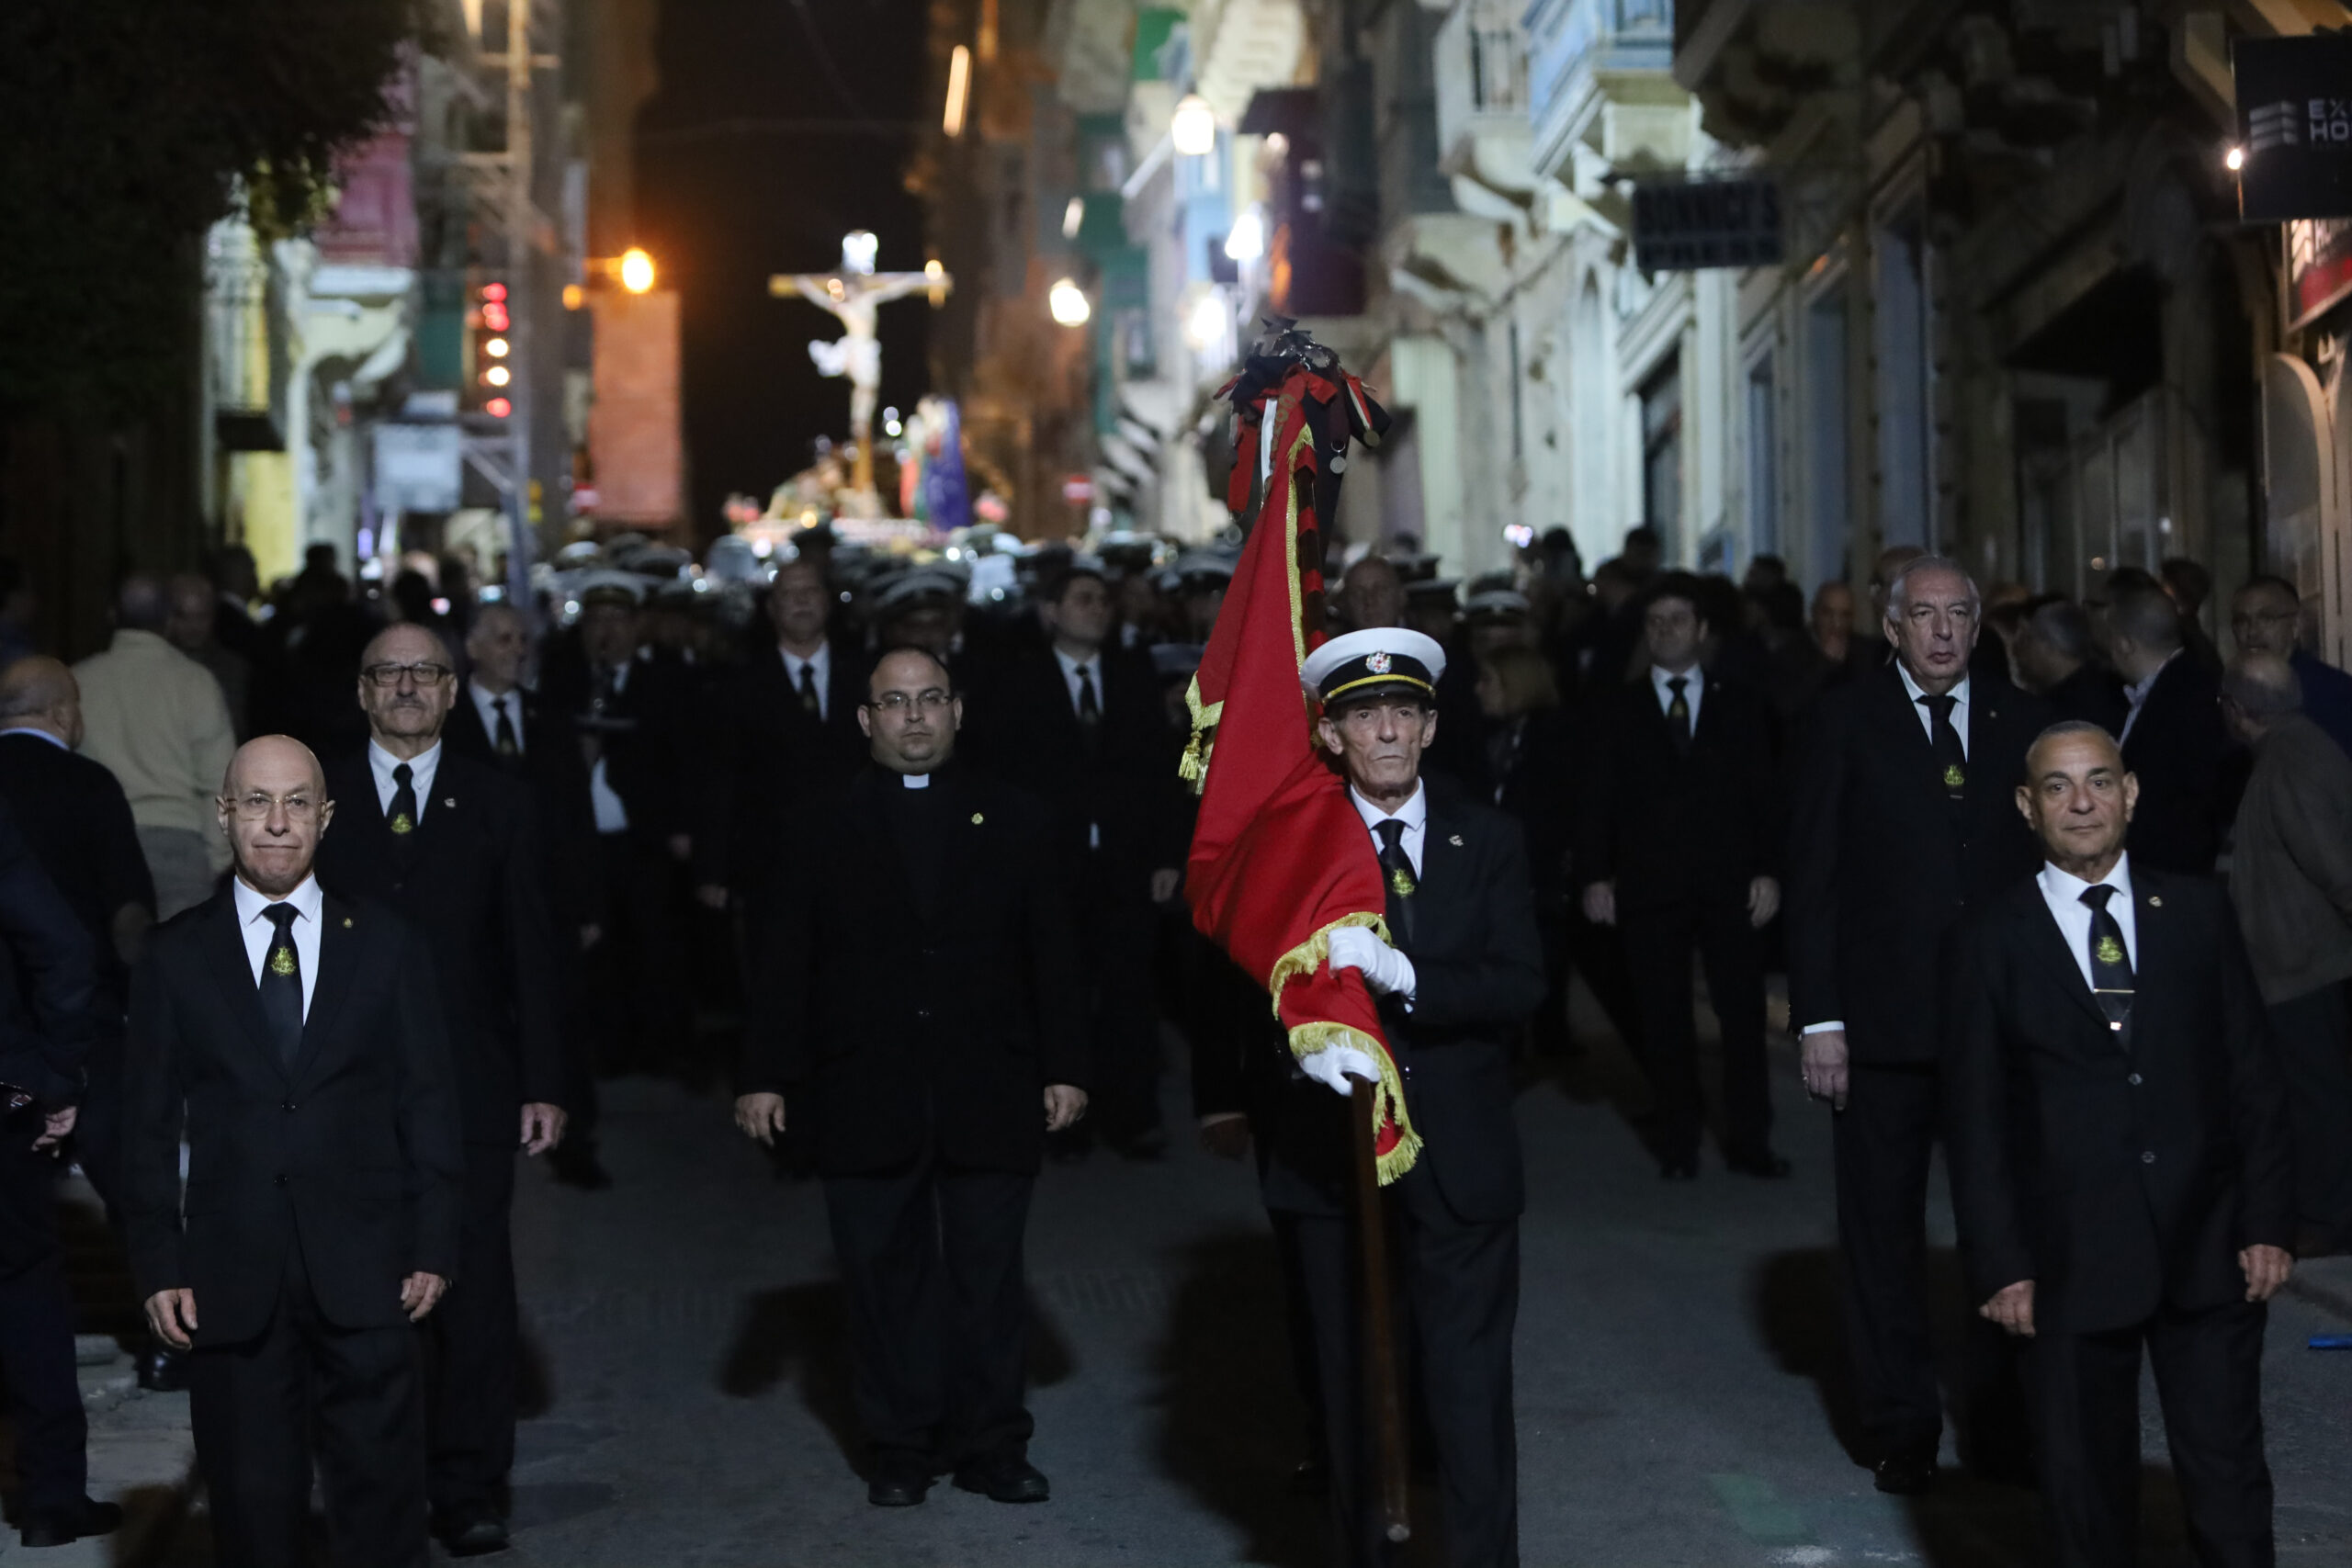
column 2294, row 127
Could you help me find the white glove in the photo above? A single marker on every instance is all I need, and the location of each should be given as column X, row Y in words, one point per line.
column 1386, row 970
column 1335, row 1065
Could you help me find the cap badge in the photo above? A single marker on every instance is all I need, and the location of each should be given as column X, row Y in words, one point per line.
column 1376, row 663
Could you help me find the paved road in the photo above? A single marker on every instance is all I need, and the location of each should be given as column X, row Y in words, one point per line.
column 1677, row 1373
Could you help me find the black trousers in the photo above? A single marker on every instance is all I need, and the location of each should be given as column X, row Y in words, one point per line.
column 2314, row 1036
column 636, row 982
column 1661, row 940
column 36, row 1324
column 1118, row 931
column 1884, row 1144
column 97, row 1127
column 256, row 1406
column 931, row 1261
column 2086, row 1405
column 1461, row 1280
column 473, row 1345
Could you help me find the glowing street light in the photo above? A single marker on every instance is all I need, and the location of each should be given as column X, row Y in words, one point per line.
column 497, row 348
column 2235, row 158
column 637, row 270
column 1069, row 303
column 1193, row 129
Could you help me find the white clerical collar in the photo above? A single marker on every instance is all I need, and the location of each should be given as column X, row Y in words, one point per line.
column 914, row 780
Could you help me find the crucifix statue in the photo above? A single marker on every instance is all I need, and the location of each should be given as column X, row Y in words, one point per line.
column 852, row 296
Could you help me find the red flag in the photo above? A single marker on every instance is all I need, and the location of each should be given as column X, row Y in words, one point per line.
column 1280, row 858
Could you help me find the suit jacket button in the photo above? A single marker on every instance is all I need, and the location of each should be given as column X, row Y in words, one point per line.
column 922, row 1013
column 2149, row 1157
column 286, row 1105
column 2133, row 1080
column 281, row 1178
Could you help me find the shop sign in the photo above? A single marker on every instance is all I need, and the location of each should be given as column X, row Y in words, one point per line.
column 2294, row 97
column 2319, row 268
column 1692, row 225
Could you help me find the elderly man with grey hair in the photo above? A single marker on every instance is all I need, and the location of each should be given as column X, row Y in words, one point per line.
column 158, row 721
column 2291, row 877
column 1902, row 817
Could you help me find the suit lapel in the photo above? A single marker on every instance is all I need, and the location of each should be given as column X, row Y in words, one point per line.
column 232, row 972
column 2048, row 944
column 338, row 943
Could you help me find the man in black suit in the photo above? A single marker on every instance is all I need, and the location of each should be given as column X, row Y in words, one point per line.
column 788, row 738
column 74, row 814
column 634, row 713
column 2057, row 656
column 2121, row 1165
column 1081, row 728
column 46, row 1024
column 1462, row 980
column 501, row 723
column 1679, row 838
column 1901, row 816
column 2172, row 736
column 919, row 1001
column 451, row 847
column 297, row 1039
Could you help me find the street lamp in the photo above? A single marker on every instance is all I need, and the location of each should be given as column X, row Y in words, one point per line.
column 1069, row 303
column 637, row 270
column 1193, row 129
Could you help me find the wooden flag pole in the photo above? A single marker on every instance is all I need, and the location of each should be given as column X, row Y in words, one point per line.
column 1382, row 1396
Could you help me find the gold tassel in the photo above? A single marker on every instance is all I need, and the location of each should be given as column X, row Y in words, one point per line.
column 1314, row 953
column 1193, row 769
column 1388, row 1105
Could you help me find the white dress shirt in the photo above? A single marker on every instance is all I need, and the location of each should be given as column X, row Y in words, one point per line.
column 1075, row 673
column 1692, row 679
column 1414, row 814
column 29, row 729
column 612, row 817
column 486, row 706
column 255, row 927
column 421, row 769
column 820, row 664
column 2136, row 694
column 2063, row 892
column 1960, row 706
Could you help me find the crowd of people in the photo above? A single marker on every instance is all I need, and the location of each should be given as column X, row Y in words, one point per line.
column 900, row 860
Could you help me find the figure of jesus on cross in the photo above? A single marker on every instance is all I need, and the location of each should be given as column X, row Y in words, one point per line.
column 852, row 296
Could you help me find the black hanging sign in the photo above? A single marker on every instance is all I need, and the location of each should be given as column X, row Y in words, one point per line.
column 2294, row 127
column 1691, row 225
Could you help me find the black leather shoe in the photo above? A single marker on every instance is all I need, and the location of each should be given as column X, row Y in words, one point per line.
column 1766, row 1167
column 163, row 1369
column 476, row 1533
column 1679, row 1167
column 901, row 1479
column 1003, row 1478
column 63, row 1526
column 1907, row 1473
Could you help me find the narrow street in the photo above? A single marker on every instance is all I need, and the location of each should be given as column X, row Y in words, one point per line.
column 1677, row 1366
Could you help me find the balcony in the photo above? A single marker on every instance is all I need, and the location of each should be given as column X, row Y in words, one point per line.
column 1482, row 119
column 1755, row 63
column 1600, row 75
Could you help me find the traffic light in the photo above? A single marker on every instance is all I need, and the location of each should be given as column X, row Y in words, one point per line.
column 490, row 366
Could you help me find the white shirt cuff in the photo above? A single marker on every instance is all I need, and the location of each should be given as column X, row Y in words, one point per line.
column 1838, row 1024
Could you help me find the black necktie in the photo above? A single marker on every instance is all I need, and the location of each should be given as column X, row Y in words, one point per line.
column 509, row 744
column 1678, row 712
column 1402, row 883
column 1952, row 757
column 2110, row 962
column 281, row 984
column 404, row 820
column 808, row 700
column 1089, row 707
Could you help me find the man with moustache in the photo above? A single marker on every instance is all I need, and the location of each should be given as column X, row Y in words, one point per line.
column 2120, row 1164
column 918, row 1012
column 1901, row 816
column 297, row 1038
column 451, row 847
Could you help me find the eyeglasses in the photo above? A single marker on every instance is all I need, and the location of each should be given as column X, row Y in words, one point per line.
column 389, row 675
column 931, row 700
column 257, row 806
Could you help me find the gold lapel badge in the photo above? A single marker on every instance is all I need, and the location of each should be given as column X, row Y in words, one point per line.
column 1401, row 882
column 2155, row 902
column 978, row 819
column 347, row 923
column 450, row 801
column 1454, row 838
column 1953, row 777
column 281, row 961
column 2109, row 950
column 401, row 824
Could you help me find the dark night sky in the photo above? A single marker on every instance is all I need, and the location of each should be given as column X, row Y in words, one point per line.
column 725, row 196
